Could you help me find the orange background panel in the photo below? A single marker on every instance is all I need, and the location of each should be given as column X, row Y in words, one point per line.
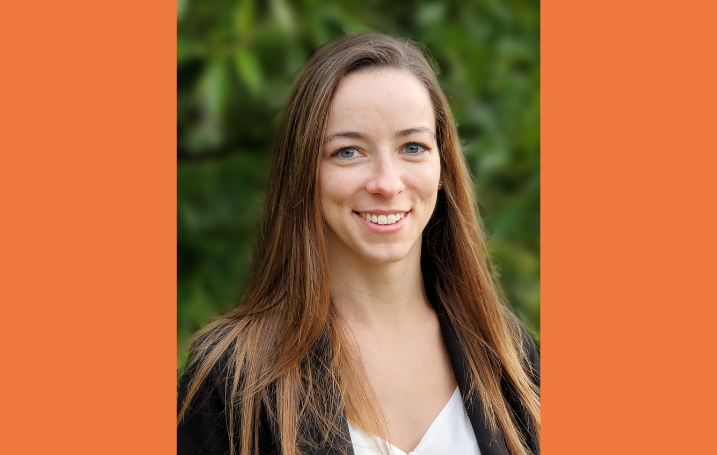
column 628, row 223
column 88, row 243
column 88, row 232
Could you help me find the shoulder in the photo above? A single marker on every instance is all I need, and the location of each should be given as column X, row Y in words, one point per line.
column 209, row 369
column 209, row 362
column 204, row 393
column 213, row 403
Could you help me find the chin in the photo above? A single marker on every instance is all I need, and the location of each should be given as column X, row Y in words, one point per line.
column 385, row 254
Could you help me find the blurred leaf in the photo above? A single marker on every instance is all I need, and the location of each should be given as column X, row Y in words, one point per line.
column 244, row 18
column 187, row 48
column 284, row 16
column 213, row 89
column 431, row 13
column 348, row 23
column 249, row 70
column 182, row 8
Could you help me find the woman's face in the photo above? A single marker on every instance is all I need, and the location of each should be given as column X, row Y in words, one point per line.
column 381, row 167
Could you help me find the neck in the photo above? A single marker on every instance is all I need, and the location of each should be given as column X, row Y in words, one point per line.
column 384, row 295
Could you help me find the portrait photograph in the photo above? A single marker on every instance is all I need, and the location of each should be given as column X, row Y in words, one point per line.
column 358, row 228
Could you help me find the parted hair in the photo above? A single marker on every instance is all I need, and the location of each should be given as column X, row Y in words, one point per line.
column 285, row 346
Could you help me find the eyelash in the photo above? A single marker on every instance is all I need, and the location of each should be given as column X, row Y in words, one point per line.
column 423, row 146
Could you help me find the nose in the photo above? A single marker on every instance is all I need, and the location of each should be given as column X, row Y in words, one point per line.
column 385, row 180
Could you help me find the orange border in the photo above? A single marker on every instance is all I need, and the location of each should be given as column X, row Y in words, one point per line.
column 88, row 191
column 628, row 234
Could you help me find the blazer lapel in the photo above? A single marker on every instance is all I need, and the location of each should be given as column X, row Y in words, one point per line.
column 490, row 442
column 320, row 447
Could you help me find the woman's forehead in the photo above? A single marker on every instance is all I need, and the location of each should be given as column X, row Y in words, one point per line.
column 380, row 100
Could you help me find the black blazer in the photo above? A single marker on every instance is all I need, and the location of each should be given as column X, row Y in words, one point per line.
column 203, row 431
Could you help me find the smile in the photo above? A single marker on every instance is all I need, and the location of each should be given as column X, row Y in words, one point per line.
column 382, row 219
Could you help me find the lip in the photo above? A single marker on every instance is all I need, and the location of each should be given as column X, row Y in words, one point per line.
column 382, row 211
column 384, row 229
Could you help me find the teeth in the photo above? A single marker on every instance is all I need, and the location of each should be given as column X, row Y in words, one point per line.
column 383, row 219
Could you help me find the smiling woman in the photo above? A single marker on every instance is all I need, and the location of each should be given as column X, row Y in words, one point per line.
column 372, row 323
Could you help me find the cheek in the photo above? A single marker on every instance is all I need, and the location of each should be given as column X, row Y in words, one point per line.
column 426, row 181
column 333, row 191
column 426, row 190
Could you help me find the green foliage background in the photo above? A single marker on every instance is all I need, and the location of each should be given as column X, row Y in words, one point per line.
column 236, row 60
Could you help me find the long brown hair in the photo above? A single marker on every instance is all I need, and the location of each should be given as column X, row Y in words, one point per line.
column 285, row 347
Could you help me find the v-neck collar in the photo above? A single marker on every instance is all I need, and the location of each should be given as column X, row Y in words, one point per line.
column 455, row 396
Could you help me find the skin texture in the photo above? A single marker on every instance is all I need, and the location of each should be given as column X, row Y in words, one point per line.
column 377, row 119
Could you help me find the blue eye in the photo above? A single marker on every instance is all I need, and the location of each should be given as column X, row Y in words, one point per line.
column 346, row 153
column 414, row 149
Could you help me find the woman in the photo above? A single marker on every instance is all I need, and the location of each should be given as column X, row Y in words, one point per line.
column 371, row 322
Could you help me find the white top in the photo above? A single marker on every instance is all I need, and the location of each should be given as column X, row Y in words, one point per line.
column 451, row 433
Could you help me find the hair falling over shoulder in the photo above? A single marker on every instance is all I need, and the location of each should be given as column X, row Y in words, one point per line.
column 283, row 350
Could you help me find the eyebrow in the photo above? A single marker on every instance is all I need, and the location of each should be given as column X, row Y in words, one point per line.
column 357, row 135
column 347, row 134
column 409, row 131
